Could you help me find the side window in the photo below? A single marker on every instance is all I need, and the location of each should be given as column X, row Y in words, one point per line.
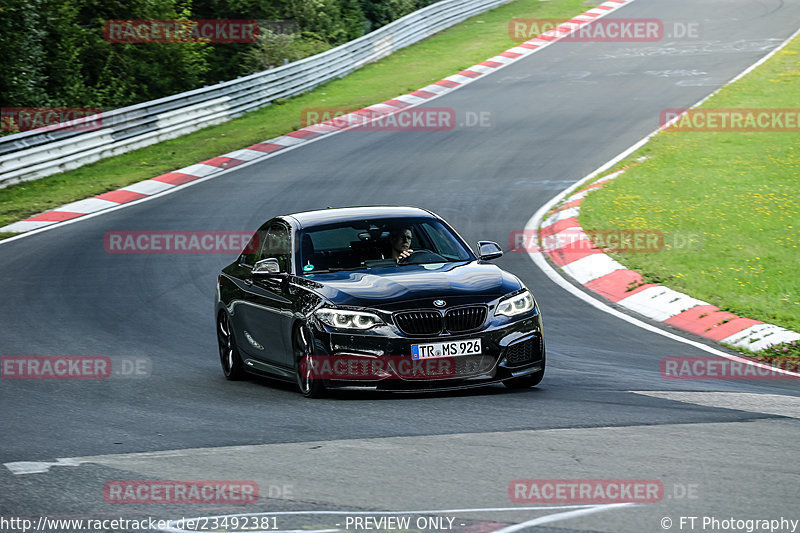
column 278, row 244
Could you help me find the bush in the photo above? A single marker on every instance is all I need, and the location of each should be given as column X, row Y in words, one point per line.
column 53, row 52
column 275, row 49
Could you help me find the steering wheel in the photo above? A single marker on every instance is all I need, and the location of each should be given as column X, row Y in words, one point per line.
column 422, row 256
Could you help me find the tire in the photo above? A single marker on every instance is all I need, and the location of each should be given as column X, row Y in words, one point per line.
column 531, row 380
column 302, row 348
column 229, row 358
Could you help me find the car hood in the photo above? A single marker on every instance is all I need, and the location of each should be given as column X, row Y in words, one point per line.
column 393, row 288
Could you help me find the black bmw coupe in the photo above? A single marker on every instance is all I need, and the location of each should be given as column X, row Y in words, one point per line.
column 386, row 298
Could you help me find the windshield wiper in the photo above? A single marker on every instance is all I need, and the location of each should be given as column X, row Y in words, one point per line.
column 334, row 269
column 445, row 261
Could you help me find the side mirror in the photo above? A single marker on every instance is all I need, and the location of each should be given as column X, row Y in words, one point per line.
column 267, row 267
column 489, row 250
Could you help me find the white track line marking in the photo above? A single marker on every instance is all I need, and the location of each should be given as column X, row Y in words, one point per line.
column 39, row 467
column 561, row 516
column 296, row 531
column 170, row 189
column 593, row 300
column 574, row 511
column 768, row 404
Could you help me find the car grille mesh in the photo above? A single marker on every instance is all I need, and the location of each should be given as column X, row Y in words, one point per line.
column 458, row 320
column 464, row 318
column 472, row 365
column 520, row 353
column 419, row 322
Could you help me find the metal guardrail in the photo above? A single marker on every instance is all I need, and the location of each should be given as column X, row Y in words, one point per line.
column 34, row 154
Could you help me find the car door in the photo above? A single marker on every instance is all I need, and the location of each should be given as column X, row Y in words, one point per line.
column 264, row 319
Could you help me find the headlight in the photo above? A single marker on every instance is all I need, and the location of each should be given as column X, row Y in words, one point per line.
column 515, row 305
column 341, row 319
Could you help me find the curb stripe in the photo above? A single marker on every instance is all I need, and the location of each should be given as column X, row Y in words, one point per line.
column 760, row 336
column 287, row 140
column 534, row 222
column 469, row 73
column 447, row 83
column 570, row 253
column 423, row 94
column 159, row 184
column 89, row 205
column 614, row 286
column 710, row 322
column 565, row 214
column 591, row 267
column 397, row 103
column 148, row 187
column 121, row 196
column 175, row 178
column 560, row 226
column 561, row 239
column 54, row 216
column 245, row 154
column 266, row 147
column 303, row 134
column 573, row 203
column 588, row 266
column 223, row 162
column 660, row 303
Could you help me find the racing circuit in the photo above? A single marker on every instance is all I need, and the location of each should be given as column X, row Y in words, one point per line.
column 721, row 449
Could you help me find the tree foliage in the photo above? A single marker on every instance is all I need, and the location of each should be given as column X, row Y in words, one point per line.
column 53, row 52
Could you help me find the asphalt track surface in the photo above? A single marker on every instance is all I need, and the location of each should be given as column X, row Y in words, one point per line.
column 556, row 116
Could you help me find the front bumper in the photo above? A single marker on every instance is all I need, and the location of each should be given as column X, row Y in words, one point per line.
column 509, row 349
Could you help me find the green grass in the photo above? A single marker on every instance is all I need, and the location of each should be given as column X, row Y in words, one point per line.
column 446, row 53
column 738, row 191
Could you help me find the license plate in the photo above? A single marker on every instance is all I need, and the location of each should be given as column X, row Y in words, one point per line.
column 446, row 349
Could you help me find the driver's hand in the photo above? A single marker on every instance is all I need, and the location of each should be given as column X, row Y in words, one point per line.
column 405, row 255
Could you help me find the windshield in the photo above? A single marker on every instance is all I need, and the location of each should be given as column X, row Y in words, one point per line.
column 362, row 244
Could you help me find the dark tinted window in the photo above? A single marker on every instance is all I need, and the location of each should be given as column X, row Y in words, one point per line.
column 360, row 244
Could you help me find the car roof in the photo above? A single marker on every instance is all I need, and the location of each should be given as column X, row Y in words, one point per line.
column 344, row 214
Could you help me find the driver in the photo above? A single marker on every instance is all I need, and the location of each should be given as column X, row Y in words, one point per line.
column 400, row 241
